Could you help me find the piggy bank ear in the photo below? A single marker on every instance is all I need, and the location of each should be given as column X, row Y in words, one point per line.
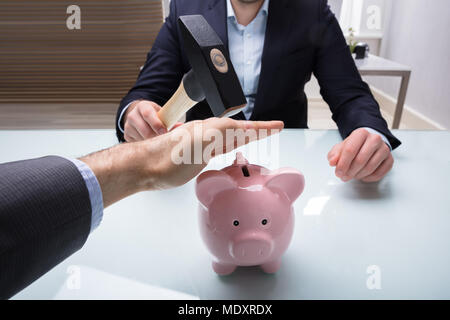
column 288, row 181
column 210, row 183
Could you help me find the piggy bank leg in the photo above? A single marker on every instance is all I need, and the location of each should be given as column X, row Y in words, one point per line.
column 223, row 269
column 271, row 267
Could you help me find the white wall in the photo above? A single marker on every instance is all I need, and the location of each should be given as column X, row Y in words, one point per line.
column 166, row 4
column 418, row 36
column 336, row 6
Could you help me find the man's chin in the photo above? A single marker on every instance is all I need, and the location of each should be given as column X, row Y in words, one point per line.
column 248, row 1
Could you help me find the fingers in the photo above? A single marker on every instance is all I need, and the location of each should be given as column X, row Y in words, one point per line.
column 374, row 163
column 257, row 126
column 241, row 133
column 362, row 156
column 149, row 113
column 140, row 126
column 382, row 170
column 142, row 122
column 248, row 131
column 334, row 154
column 370, row 147
column 351, row 148
column 131, row 134
column 261, row 125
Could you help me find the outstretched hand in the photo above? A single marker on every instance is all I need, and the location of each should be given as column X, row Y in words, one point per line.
column 153, row 164
column 212, row 136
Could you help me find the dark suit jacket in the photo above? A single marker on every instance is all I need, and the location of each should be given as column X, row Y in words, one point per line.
column 45, row 216
column 302, row 37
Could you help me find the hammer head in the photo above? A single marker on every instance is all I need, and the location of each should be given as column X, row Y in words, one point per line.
column 211, row 66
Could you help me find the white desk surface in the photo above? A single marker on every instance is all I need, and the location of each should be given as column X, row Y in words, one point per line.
column 401, row 225
column 376, row 63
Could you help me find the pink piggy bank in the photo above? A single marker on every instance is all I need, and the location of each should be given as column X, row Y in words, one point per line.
column 246, row 214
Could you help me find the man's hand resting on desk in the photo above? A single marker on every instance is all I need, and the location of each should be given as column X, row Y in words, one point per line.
column 362, row 156
column 149, row 165
column 141, row 121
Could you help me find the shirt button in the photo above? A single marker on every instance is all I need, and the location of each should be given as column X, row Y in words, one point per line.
column 249, row 35
column 249, row 62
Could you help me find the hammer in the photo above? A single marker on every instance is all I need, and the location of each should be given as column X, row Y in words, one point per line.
column 212, row 75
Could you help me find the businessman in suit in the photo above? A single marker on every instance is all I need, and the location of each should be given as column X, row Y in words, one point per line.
column 275, row 46
column 49, row 206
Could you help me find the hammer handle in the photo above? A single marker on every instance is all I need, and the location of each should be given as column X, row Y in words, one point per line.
column 176, row 107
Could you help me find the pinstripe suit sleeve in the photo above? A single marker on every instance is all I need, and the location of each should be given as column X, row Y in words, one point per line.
column 45, row 216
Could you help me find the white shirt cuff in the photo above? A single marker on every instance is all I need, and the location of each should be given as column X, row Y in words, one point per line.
column 121, row 116
column 95, row 192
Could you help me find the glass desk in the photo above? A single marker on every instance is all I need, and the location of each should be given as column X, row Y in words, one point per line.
column 397, row 231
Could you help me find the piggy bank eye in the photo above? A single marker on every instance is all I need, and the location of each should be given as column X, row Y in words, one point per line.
column 264, row 222
column 235, row 223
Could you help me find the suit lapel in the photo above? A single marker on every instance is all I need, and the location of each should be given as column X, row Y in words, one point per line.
column 216, row 15
column 277, row 31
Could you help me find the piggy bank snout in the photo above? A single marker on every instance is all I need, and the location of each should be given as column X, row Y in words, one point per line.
column 251, row 248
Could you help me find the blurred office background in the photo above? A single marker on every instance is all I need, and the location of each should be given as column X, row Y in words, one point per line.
column 53, row 77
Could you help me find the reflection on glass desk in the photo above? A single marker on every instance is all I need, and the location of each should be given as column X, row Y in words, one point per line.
column 397, row 231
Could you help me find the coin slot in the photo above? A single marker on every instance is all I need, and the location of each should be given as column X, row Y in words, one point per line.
column 245, row 171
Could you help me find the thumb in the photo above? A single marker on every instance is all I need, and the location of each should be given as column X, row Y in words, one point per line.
column 335, row 154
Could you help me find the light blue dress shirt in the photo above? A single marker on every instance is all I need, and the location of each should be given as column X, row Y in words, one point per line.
column 246, row 45
column 95, row 192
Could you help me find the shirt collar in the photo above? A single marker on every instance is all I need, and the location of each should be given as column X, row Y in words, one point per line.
column 231, row 14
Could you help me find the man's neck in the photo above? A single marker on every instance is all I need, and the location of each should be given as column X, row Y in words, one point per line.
column 246, row 10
